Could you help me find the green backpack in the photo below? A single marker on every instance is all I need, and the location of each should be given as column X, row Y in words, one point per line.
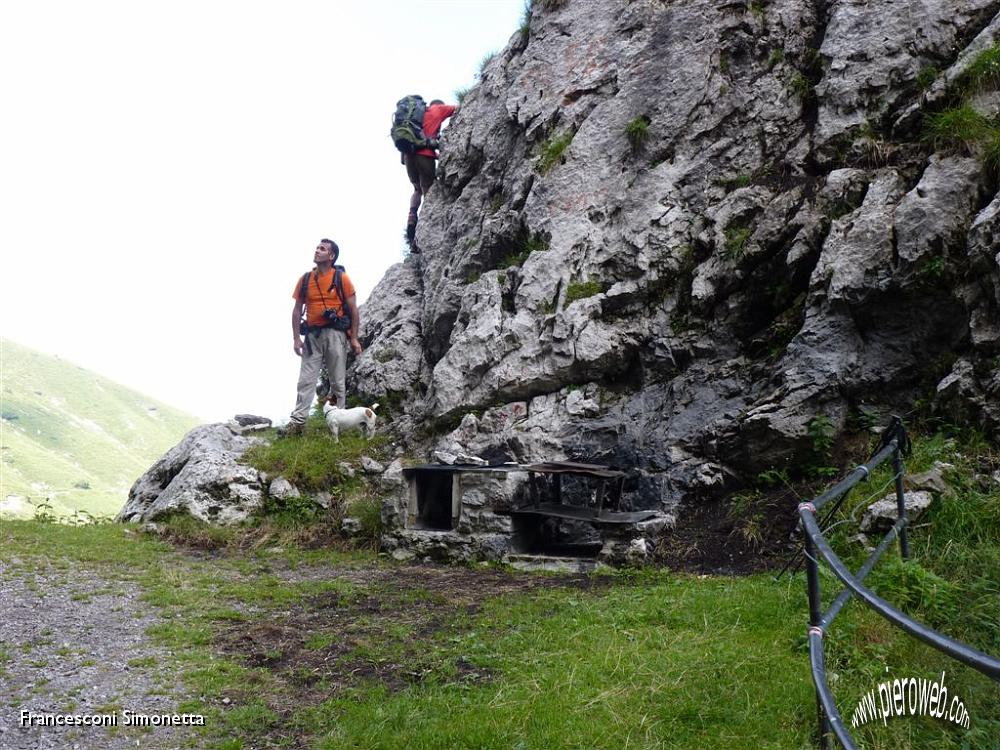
column 407, row 131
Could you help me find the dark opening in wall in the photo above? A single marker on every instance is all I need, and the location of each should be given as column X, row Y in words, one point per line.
column 434, row 501
column 538, row 535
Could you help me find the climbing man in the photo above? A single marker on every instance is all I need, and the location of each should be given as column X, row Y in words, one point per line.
column 421, row 166
column 322, row 338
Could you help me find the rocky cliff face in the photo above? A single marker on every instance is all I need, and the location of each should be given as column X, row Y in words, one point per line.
column 671, row 235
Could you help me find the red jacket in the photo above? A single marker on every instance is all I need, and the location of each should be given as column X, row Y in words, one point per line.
column 434, row 115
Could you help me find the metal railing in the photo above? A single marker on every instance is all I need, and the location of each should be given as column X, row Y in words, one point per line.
column 894, row 444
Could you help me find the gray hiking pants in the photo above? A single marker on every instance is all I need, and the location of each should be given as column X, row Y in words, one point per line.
column 328, row 347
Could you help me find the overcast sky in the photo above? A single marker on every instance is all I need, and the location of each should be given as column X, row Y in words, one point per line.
column 167, row 168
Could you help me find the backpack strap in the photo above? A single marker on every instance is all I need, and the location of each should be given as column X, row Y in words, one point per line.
column 338, row 272
column 303, row 285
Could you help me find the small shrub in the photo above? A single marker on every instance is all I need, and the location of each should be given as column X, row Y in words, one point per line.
column 496, row 202
column 83, row 484
column 821, row 432
column 460, row 94
column 984, row 70
column 758, row 10
column 927, row 75
column 582, row 290
column 368, row 511
column 801, row 87
column 933, row 270
column 736, row 240
column 552, row 150
column 776, row 56
column 637, row 132
column 44, row 512
column 771, row 478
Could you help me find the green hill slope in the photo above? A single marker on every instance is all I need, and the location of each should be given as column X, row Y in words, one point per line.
column 74, row 437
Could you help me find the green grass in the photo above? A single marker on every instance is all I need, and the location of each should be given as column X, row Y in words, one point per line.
column 582, row 289
column 735, row 183
column 637, row 132
column 552, row 150
column 983, row 72
column 484, row 63
column 368, row 510
column 801, row 86
column 927, row 75
column 460, row 95
column 311, row 461
column 641, row 659
column 79, row 438
column 777, row 55
column 736, row 240
column 959, row 126
column 524, row 245
column 964, row 128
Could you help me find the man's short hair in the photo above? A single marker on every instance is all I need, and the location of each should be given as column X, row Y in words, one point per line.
column 436, row 101
column 333, row 247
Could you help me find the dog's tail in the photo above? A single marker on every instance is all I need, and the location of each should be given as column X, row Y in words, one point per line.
column 373, row 407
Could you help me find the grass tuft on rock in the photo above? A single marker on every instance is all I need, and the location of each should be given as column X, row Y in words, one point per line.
column 637, row 132
column 552, row 150
column 984, row 70
column 311, row 461
column 577, row 290
column 736, row 240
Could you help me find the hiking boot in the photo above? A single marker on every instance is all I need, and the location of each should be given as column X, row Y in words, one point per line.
column 292, row 428
column 411, row 242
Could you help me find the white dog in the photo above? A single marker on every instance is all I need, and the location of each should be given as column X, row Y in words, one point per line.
column 346, row 419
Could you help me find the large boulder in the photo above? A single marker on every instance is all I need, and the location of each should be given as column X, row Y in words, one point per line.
column 200, row 476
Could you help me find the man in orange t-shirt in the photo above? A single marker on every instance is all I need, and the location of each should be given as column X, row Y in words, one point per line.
column 421, row 167
column 331, row 325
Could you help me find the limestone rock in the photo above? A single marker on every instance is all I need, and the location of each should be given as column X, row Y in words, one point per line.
column 281, row 489
column 782, row 245
column 931, row 480
column 881, row 515
column 371, row 466
column 200, row 476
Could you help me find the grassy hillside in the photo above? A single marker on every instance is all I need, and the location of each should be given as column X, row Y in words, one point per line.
column 74, row 438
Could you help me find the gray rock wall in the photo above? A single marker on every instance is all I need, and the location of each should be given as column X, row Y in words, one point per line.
column 782, row 244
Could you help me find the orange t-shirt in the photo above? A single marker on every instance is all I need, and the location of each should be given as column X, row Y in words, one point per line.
column 434, row 115
column 318, row 290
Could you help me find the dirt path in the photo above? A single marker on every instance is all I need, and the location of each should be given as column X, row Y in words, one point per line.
column 74, row 644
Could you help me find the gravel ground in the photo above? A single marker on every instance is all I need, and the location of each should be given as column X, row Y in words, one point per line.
column 73, row 643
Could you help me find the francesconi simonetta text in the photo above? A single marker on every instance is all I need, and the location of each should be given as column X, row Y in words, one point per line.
column 125, row 719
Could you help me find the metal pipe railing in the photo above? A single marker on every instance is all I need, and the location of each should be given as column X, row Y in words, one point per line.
column 894, row 443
